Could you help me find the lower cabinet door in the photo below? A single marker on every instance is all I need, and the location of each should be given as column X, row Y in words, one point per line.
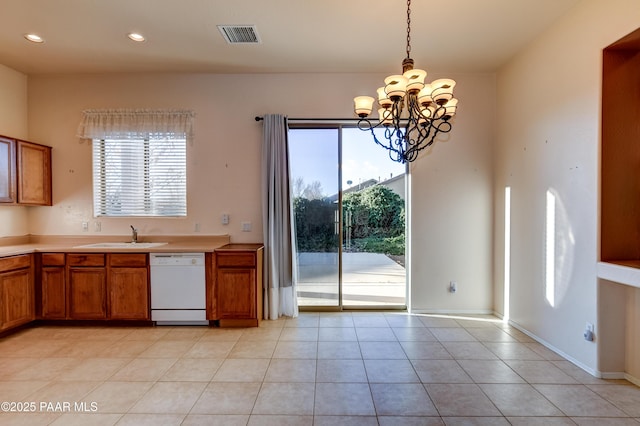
column 53, row 293
column 16, row 298
column 236, row 293
column 87, row 293
column 128, row 293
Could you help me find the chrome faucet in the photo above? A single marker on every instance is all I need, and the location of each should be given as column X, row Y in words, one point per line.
column 134, row 234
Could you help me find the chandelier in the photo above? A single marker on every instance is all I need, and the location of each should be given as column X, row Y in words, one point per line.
column 412, row 113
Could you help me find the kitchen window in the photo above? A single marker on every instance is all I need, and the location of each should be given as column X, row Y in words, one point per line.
column 140, row 177
column 139, row 160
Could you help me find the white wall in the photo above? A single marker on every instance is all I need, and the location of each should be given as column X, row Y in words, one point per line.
column 548, row 140
column 13, row 123
column 452, row 186
column 452, row 208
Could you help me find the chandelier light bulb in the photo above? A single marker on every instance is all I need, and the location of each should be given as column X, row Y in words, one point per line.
column 383, row 99
column 415, row 80
column 442, row 90
column 424, row 96
column 363, row 105
column 450, row 107
column 395, row 86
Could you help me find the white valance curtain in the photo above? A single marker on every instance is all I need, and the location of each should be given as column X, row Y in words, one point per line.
column 136, row 124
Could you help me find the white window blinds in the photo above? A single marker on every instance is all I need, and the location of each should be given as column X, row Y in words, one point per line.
column 134, row 177
column 139, row 160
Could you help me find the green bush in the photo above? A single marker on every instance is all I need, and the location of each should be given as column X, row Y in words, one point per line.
column 375, row 211
column 374, row 219
column 391, row 245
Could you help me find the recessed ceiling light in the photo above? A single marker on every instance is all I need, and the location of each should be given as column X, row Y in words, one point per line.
column 35, row 38
column 136, row 37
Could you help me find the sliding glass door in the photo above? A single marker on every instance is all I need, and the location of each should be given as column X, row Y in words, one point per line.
column 314, row 158
column 349, row 208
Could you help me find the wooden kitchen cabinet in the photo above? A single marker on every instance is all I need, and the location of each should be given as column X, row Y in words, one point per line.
column 94, row 286
column 53, row 304
column 86, row 286
column 7, row 170
column 128, row 287
column 25, row 173
column 237, row 285
column 34, row 174
column 17, row 303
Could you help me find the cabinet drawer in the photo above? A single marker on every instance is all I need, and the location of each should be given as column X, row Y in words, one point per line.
column 236, row 259
column 52, row 259
column 139, row 259
column 15, row 262
column 85, row 259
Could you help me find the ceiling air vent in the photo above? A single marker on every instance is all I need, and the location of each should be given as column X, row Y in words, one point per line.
column 239, row 34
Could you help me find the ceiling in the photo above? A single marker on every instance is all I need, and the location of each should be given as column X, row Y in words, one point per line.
column 89, row 36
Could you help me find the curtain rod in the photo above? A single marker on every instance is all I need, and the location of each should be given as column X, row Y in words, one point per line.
column 333, row 120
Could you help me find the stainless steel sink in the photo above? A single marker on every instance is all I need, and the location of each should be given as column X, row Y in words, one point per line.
column 129, row 245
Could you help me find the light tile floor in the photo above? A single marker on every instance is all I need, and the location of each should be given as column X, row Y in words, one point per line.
column 357, row 368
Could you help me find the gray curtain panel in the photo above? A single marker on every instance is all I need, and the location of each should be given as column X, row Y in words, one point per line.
column 277, row 218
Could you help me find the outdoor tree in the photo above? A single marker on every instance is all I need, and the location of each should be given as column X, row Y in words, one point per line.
column 374, row 219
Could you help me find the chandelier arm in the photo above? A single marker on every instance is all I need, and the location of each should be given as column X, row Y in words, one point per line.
column 443, row 126
column 389, row 146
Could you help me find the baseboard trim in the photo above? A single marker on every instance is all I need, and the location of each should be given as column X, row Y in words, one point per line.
column 549, row 346
column 451, row 312
column 632, row 379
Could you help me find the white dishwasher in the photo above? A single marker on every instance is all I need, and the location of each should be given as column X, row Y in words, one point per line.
column 178, row 289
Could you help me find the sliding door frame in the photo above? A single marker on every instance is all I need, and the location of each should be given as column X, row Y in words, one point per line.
column 340, row 125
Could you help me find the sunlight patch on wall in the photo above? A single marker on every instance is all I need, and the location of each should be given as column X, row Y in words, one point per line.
column 559, row 249
column 550, row 250
column 507, row 252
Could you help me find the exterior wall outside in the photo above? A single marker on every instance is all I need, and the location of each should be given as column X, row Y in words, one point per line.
column 547, row 152
column 396, row 184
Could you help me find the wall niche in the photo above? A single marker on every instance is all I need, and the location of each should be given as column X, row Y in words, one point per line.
column 620, row 160
column 618, row 331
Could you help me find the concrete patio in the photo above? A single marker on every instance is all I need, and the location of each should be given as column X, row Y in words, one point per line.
column 368, row 279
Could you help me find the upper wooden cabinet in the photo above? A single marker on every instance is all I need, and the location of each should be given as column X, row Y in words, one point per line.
column 7, row 170
column 34, row 174
column 25, row 173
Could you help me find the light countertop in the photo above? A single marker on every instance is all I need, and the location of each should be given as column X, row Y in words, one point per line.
column 70, row 244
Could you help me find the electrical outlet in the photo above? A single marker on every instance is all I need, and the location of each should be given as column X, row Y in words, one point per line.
column 85, row 226
column 589, row 332
column 225, row 219
column 97, row 226
column 196, row 227
column 246, row 226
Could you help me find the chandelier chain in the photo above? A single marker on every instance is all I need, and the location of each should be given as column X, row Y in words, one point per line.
column 408, row 28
